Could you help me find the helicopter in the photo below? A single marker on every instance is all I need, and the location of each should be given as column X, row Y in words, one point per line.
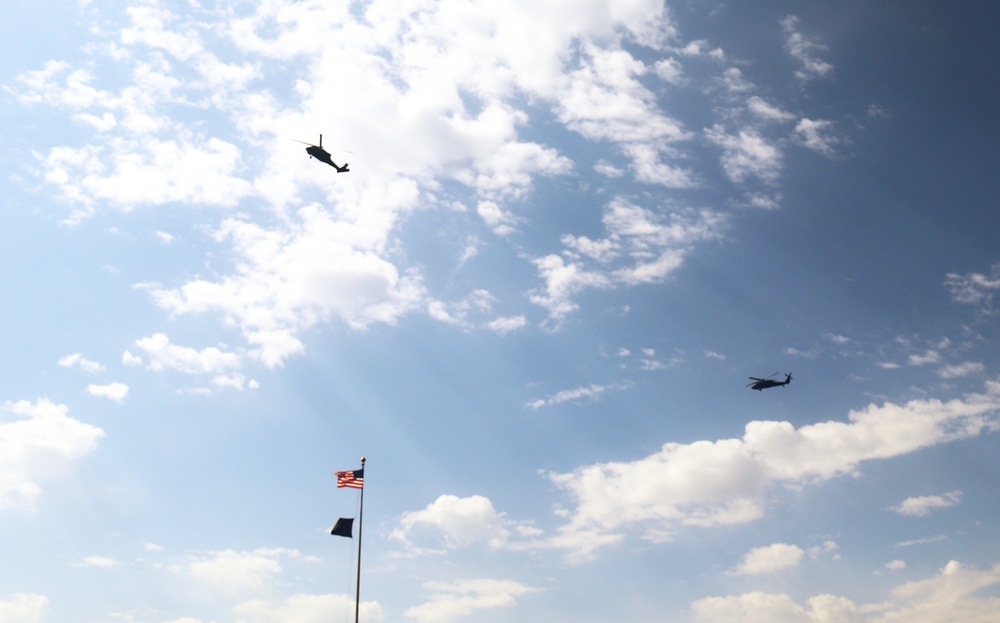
column 767, row 382
column 317, row 151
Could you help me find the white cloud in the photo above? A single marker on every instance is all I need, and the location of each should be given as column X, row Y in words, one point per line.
column 457, row 522
column 40, row 443
column 24, row 608
column 803, row 50
column 166, row 356
column 895, row 565
column 816, row 136
column 669, row 70
column 724, row 482
column 759, row 607
column 315, row 268
column 76, row 359
column 827, row 547
column 763, row 109
column 234, row 381
column 974, row 288
column 102, row 562
column 926, row 358
column 131, row 360
column 496, row 218
column 154, row 172
column 924, row 541
column 922, row 506
column 643, row 245
column 507, row 324
column 112, row 391
column 450, row 600
column 961, row 370
column 562, row 282
column 238, row 572
column 460, row 313
column 458, row 94
column 306, row 608
column 590, row 392
column 770, row 558
column 956, row 593
column 747, row 154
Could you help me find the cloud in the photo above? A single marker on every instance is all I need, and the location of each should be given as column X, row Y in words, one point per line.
column 759, row 607
column 592, row 392
column 500, row 221
column 974, row 288
column 924, row 541
column 237, row 572
column 24, row 608
column 957, row 590
column 461, row 96
column 955, row 371
column 450, row 600
column 76, row 359
column 803, row 51
column 112, row 391
column 475, row 310
column 313, row 269
column 459, row 522
column 815, row 135
column 507, row 324
column 769, row 559
column 306, row 608
column 643, row 245
column 923, row 505
column 40, row 443
column 166, row 356
column 234, row 381
column 766, row 111
column 747, row 154
column 102, row 562
column 724, row 482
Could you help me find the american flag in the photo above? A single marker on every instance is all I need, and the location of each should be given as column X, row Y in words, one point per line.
column 353, row 479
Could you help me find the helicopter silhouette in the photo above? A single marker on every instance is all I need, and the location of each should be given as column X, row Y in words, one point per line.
column 317, row 152
column 767, row 382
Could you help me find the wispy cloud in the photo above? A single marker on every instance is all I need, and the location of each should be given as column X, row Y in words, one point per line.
column 923, row 505
column 584, row 393
column 974, row 288
column 78, row 360
column 804, row 50
column 461, row 598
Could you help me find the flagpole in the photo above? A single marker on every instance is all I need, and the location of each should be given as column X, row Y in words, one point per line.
column 361, row 520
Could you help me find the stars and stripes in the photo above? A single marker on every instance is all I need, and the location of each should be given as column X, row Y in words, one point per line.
column 354, row 479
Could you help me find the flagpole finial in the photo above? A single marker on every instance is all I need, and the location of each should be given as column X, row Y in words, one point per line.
column 362, row 460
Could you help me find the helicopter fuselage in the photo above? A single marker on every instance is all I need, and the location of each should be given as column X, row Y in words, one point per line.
column 760, row 384
column 324, row 156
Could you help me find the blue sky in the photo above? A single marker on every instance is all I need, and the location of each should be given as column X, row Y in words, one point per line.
column 570, row 233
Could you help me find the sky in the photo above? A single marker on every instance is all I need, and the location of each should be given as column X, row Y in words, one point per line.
column 570, row 234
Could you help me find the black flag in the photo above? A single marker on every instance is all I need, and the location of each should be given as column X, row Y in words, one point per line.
column 343, row 527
